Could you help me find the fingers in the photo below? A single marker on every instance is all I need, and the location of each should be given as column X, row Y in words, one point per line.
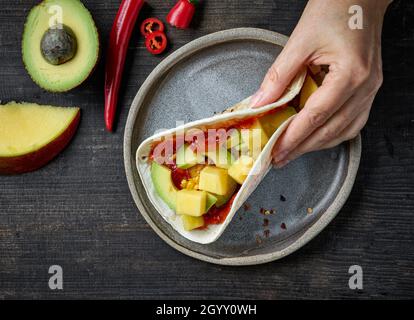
column 319, row 140
column 334, row 127
column 331, row 96
column 350, row 132
column 279, row 76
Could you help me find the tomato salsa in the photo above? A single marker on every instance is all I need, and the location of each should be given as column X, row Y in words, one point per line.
column 218, row 215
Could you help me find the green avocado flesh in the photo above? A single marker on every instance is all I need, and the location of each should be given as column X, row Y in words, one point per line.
column 211, row 201
column 221, row 158
column 167, row 191
column 161, row 177
column 76, row 64
column 187, row 158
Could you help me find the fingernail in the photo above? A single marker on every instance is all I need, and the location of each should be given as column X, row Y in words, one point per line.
column 256, row 98
column 280, row 156
column 281, row 164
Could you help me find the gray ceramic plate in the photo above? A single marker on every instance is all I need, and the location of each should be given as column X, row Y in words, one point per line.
column 208, row 75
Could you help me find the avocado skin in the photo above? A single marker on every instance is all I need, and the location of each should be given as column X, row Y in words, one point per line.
column 97, row 51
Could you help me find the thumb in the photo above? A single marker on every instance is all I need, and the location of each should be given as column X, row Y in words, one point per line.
column 279, row 76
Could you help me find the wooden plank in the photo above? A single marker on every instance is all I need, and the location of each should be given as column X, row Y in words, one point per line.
column 77, row 212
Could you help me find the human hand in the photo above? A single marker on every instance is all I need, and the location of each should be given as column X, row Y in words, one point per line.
column 340, row 107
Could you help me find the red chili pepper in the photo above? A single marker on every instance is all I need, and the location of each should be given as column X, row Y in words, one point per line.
column 182, row 13
column 151, row 25
column 117, row 50
column 156, row 42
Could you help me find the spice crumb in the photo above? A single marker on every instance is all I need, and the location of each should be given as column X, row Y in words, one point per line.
column 247, row 206
column 310, row 210
column 267, row 212
column 265, row 222
column 283, row 226
column 258, row 239
column 282, row 198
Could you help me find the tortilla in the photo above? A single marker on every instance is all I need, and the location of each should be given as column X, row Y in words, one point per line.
column 260, row 168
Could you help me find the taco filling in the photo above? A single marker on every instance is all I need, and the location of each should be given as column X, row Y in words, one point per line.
column 198, row 173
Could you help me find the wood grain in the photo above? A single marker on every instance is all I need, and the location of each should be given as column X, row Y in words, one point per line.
column 77, row 212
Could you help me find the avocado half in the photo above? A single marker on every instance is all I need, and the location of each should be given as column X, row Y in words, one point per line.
column 75, row 17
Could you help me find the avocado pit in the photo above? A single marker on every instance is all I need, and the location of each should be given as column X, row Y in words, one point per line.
column 58, row 45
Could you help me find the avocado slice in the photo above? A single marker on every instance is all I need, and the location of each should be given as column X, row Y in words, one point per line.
column 221, row 157
column 60, row 56
column 187, row 158
column 211, row 201
column 234, row 139
column 164, row 186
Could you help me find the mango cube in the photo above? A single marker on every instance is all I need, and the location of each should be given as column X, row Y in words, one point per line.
column 254, row 138
column 272, row 121
column 191, row 202
column 222, row 200
column 214, row 180
column 191, row 223
column 241, row 168
column 309, row 87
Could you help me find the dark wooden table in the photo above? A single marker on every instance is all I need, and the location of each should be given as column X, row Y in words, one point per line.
column 78, row 213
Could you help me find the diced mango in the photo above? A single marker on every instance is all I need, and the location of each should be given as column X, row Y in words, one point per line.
column 254, row 138
column 191, row 202
column 214, row 180
column 222, row 200
column 240, row 168
column 259, row 132
column 191, row 223
column 309, row 87
column 272, row 121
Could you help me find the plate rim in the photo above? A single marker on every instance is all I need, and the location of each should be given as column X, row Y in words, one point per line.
column 230, row 35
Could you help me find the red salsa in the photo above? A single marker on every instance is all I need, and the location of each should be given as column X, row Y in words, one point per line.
column 218, row 215
column 178, row 175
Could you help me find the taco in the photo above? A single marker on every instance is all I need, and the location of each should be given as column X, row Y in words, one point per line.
column 199, row 174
